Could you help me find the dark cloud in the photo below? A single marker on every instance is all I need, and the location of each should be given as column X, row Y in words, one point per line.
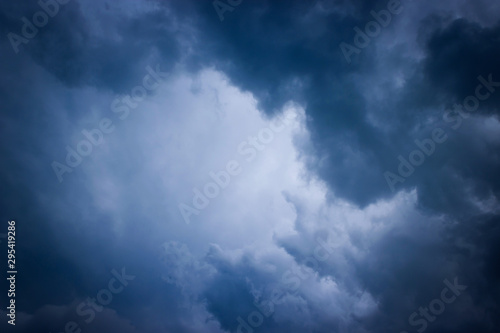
column 360, row 116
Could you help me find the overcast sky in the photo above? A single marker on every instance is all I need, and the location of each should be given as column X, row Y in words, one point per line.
column 325, row 166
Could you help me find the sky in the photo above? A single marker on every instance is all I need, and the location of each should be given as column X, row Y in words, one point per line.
column 238, row 166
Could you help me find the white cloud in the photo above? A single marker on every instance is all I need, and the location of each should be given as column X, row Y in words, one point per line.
column 194, row 125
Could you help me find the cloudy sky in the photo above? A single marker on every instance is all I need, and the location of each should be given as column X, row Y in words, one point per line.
column 325, row 166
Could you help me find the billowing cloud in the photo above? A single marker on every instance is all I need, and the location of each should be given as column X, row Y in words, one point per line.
column 246, row 172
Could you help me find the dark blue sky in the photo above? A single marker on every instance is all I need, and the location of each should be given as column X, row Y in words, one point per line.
column 251, row 166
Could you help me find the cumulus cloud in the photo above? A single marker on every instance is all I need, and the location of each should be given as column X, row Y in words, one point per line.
column 246, row 190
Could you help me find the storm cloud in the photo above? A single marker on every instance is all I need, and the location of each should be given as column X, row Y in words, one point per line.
column 247, row 171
